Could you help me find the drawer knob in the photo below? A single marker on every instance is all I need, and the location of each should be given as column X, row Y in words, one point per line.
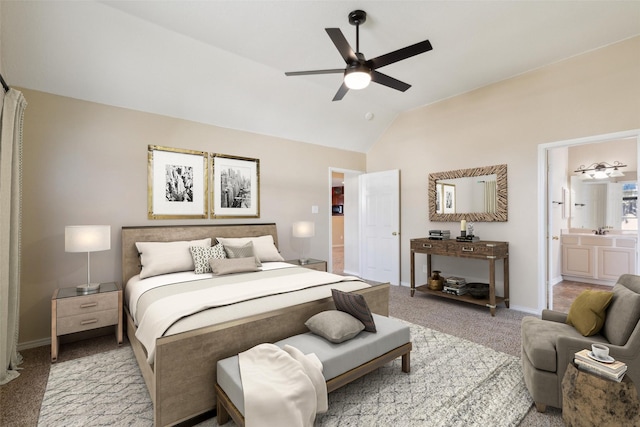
column 467, row 249
column 88, row 305
column 426, row 245
column 88, row 322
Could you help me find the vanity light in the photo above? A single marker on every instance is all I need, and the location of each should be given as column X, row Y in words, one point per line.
column 600, row 170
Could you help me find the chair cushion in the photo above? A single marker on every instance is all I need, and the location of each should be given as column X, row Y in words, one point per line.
column 588, row 311
column 622, row 316
column 539, row 339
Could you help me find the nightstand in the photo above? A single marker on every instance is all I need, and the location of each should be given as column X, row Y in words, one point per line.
column 73, row 312
column 313, row 264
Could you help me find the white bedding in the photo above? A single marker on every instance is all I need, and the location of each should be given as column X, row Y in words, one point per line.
column 281, row 386
column 208, row 302
column 136, row 287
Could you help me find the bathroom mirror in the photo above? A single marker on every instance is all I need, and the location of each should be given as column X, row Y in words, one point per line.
column 476, row 194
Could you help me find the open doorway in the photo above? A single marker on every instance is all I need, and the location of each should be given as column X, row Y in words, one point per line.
column 337, row 222
column 568, row 207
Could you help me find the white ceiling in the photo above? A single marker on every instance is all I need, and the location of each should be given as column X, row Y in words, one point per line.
column 223, row 62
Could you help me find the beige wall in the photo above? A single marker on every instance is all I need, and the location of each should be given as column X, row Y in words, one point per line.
column 86, row 163
column 591, row 94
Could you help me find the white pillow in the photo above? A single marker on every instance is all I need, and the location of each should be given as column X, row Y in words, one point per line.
column 264, row 247
column 167, row 257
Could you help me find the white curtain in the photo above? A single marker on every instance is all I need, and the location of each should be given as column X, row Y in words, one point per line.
column 490, row 196
column 12, row 105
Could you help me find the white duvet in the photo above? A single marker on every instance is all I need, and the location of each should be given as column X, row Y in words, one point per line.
column 245, row 295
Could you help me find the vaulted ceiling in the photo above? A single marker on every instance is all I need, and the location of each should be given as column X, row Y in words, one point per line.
column 223, row 62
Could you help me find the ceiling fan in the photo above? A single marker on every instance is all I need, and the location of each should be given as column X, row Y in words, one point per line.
column 360, row 71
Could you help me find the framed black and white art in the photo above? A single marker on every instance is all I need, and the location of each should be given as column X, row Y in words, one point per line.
column 236, row 187
column 177, row 183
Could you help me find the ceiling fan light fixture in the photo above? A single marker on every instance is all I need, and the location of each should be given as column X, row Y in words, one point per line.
column 357, row 77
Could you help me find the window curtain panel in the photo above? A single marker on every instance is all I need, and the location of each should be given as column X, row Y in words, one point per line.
column 490, row 196
column 13, row 105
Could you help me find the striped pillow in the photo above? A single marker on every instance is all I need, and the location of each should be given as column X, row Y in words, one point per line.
column 355, row 305
column 244, row 251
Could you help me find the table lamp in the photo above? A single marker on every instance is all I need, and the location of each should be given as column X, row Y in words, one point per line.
column 304, row 230
column 87, row 238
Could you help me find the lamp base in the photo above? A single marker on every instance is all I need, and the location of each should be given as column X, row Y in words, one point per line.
column 87, row 288
column 303, row 261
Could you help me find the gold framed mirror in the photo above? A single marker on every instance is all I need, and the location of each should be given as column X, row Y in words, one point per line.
column 480, row 195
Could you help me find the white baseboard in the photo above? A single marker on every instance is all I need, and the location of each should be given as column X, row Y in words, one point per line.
column 33, row 344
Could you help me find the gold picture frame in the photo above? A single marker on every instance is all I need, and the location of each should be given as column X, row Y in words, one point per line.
column 235, row 190
column 177, row 183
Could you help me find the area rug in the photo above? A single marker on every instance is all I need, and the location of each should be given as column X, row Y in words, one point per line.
column 453, row 382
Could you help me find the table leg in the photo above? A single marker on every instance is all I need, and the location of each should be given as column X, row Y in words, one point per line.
column 492, row 286
column 413, row 272
column 506, row 281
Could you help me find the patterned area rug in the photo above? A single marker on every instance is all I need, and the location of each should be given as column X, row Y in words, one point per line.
column 453, row 382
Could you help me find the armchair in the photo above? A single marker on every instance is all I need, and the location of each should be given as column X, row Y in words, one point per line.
column 549, row 344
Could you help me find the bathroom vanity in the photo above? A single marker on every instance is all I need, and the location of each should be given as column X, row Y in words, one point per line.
column 598, row 259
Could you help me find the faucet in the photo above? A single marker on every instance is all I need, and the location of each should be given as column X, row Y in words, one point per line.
column 601, row 231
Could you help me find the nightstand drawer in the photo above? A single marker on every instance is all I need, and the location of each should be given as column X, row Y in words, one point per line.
column 87, row 304
column 86, row 321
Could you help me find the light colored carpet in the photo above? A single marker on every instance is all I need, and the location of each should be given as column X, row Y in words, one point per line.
column 453, row 382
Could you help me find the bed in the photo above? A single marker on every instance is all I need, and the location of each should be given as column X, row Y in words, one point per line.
column 181, row 380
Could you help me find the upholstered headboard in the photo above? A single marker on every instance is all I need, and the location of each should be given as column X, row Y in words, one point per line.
column 171, row 233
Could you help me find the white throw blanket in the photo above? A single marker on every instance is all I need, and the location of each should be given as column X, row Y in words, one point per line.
column 282, row 387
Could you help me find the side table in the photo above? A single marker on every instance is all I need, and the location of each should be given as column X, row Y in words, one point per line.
column 314, row 264
column 589, row 400
column 73, row 312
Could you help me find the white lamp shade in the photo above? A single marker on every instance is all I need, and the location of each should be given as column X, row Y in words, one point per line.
column 87, row 238
column 304, row 229
column 357, row 79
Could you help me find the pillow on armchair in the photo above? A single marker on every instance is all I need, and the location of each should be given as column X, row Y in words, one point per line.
column 622, row 315
column 588, row 310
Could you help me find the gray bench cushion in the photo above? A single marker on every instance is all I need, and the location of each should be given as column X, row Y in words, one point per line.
column 336, row 358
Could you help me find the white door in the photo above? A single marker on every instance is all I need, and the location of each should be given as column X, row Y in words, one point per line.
column 380, row 226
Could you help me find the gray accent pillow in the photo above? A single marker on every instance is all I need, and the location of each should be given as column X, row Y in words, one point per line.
column 355, row 305
column 202, row 255
column 243, row 251
column 233, row 265
column 335, row 326
column 622, row 315
column 167, row 257
column 264, row 247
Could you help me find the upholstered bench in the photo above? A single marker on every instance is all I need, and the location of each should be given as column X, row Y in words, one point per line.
column 342, row 363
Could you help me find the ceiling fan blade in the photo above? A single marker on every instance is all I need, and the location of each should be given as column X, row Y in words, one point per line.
column 341, row 92
column 385, row 80
column 342, row 44
column 400, row 54
column 306, row 73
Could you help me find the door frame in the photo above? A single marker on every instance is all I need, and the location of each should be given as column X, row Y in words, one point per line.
column 544, row 287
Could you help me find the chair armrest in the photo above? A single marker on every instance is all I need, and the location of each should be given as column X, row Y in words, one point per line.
column 554, row 316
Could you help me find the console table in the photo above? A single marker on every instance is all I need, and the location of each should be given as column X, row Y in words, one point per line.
column 487, row 250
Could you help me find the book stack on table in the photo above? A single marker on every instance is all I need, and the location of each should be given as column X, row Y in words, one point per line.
column 455, row 286
column 613, row 370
